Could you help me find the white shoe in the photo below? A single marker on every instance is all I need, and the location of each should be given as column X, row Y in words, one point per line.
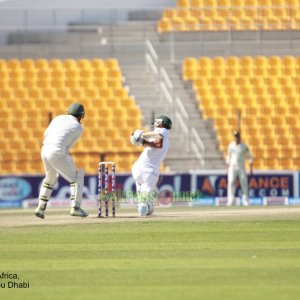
column 245, row 203
column 229, row 203
column 39, row 212
column 78, row 212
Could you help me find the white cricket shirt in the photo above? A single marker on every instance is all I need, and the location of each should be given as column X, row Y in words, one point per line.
column 151, row 158
column 63, row 132
column 237, row 153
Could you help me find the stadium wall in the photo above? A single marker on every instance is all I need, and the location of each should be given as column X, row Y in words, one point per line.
column 42, row 15
column 35, row 12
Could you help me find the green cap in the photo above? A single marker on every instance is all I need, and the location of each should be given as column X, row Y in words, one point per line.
column 76, row 110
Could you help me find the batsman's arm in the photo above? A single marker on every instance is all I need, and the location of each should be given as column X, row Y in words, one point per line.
column 152, row 139
column 158, row 143
column 151, row 136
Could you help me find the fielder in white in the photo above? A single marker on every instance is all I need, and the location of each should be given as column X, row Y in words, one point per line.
column 61, row 134
column 145, row 170
column 237, row 153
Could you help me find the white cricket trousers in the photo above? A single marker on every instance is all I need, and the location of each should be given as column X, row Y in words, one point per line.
column 56, row 162
column 145, row 181
column 233, row 173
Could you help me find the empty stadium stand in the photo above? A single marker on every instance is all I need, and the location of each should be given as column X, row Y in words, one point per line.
column 213, row 15
column 264, row 90
column 126, row 42
column 34, row 91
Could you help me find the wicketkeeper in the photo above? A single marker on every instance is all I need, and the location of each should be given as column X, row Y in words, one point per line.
column 61, row 134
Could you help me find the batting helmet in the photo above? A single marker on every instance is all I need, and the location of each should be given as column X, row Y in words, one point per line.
column 76, row 110
column 164, row 120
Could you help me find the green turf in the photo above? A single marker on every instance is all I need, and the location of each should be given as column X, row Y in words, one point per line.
column 154, row 260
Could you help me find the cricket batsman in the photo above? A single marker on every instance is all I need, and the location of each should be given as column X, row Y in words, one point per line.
column 61, row 134
column 237, row 153
column 145, row 170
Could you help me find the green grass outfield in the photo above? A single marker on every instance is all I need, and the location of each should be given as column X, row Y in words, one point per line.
column 199, row 258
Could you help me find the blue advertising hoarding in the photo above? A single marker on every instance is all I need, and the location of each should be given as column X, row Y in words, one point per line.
column 172, row 187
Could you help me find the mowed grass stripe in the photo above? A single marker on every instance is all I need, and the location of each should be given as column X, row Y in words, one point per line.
column 176, row 260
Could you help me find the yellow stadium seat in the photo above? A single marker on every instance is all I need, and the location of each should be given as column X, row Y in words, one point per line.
column 4, row 83
column 112, row 64
column 237, row 11
column 192, row 24
column 70, row 64
column 84, row 64
column 287, row 164
column 219, row 24
column 234, row 23
column 6, row 93
column 250, row 110
column 183, row 13
column 206, row 63
column 56, row 64
column 197, row 3
column 97, row 63
column 292, row 120
column 278, row 120
column 258, row 152
column 169, row 13
column 284, row 141
column 263, row 121
column 27, row 64
column 256, row 141
column 77, row 93
column 235, row 101
column 178, row 24
column 251, row 9
column 293, row 110
column 197, row 12
column 183, row 3
column 279, row 8
column 49, row 93
column 262, row 101
column 164, row 25
column 247, row 23
column 205, row 24
column 286, row 152
column 20, row 93
column 3, row 64
column 218, row 62
column 190, row 62
column 210, row 8
column 232, row 91
column 228, row 81
column 233, row 61
column 223, row 8
column 41, row 64
column 13, row 64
